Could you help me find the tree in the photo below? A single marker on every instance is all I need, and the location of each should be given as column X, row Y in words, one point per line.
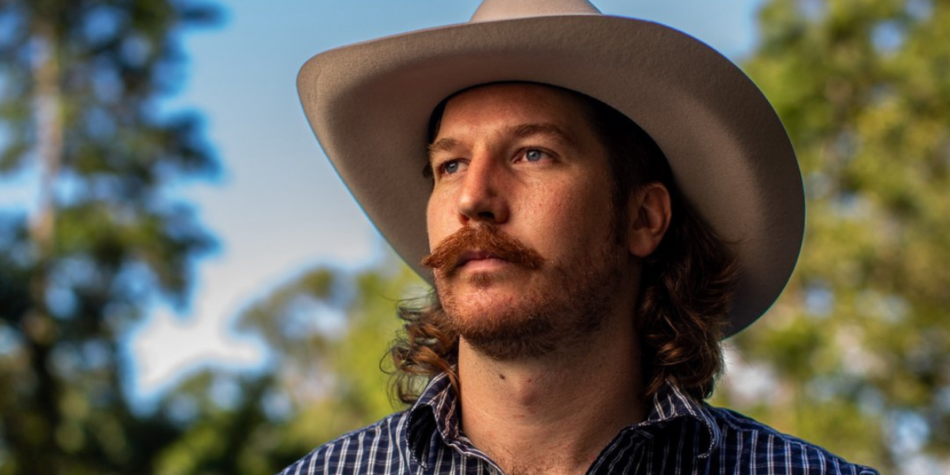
column 80, row 82
column 328, row 332
column 859, row 345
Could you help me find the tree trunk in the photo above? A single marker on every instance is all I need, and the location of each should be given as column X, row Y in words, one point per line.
column 38, row 326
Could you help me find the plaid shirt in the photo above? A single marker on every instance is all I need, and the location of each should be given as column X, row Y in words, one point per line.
column 679, row 436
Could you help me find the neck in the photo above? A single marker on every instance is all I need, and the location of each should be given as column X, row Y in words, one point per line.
column 571, row 402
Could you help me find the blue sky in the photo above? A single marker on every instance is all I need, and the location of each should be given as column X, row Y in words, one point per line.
column 279, row 208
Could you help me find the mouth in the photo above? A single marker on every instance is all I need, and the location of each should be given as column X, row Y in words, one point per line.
column 477, row 256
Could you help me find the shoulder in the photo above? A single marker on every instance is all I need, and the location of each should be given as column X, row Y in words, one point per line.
column 747, row 442
column 361, row 451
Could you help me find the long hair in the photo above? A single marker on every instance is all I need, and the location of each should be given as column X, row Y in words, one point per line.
column 687, row 283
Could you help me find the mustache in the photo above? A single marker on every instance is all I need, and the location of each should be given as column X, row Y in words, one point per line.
column 446, row 257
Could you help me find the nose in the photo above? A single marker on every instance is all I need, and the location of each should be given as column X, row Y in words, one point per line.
column 482, row 196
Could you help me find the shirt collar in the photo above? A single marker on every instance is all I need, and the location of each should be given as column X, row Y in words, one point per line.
column 437, row 410
column 669, row 404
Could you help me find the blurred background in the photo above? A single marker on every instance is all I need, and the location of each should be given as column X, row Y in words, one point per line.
column 186, row 287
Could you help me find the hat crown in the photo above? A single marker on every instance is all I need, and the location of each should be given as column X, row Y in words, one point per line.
column 494, row 10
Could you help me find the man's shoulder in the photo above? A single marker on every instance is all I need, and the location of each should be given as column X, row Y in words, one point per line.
column 743, row 437
column 378, row 443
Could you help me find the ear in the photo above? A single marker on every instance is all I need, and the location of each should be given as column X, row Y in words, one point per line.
column 649, row 213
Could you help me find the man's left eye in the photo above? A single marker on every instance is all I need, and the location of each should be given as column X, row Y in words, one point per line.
column 533, row 155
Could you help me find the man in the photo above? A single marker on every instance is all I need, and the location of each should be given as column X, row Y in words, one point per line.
column 602, row 201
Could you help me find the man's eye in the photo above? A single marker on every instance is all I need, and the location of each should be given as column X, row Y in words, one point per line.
column 533, row 155
column 449, row 168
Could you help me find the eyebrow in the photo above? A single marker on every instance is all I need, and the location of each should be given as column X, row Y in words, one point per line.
column 520, row 131
column 441, row 145
column 551, row 130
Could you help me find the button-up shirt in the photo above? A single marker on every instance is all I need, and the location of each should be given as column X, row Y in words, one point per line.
column 679, row 435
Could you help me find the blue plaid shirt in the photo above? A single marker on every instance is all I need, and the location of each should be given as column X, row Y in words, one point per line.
column 679, row 435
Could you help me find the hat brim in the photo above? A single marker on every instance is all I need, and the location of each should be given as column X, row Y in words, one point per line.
column 369, row 106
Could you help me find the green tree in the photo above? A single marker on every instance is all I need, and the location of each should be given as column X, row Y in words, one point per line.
column 80, row 85
column 859, row 346
column 328, row 332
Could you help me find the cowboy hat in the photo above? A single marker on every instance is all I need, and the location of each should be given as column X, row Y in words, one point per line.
column 369, row 105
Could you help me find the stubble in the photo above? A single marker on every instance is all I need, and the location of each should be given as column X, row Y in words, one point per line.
column 570, row 302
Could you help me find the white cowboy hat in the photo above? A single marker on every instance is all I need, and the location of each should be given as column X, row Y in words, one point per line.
column 369, row 105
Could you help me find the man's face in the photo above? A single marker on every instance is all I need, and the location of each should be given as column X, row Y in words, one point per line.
column 523, row 160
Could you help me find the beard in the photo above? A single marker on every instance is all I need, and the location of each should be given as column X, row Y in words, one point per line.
column 565, row 305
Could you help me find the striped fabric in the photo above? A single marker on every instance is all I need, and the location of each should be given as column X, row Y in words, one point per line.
column 679, row 436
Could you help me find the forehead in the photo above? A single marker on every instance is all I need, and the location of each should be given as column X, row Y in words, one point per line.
column 515, row 102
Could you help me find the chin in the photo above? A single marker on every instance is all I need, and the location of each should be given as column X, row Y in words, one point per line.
column 481, row 302
column 483, row 296
column 494, row 293
column 506, row 317
column 495, row 317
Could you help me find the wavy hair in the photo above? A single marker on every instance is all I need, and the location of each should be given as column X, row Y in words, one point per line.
column 687, row 283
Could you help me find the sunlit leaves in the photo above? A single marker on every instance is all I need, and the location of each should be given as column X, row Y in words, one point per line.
column 859, row 341
column 80, row 82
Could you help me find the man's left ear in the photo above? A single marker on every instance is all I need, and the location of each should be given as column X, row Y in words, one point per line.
column 649, row 216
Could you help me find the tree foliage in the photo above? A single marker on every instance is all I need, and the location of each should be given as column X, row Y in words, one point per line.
column 80, row 82
column 859, row 345
column 329, row 332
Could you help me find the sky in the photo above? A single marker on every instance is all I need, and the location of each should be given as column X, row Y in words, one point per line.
column 278, row 207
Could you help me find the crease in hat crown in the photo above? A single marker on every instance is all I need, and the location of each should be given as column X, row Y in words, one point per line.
column 495, row 10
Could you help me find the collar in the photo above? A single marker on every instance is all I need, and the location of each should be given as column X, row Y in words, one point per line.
column 671, row 404
column 437, row 411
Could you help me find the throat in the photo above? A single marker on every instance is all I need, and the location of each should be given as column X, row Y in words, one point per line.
column 572, row 404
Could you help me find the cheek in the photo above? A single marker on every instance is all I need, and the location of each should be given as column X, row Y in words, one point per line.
column 437, row 218
column 592, row 217
column 572, row 219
